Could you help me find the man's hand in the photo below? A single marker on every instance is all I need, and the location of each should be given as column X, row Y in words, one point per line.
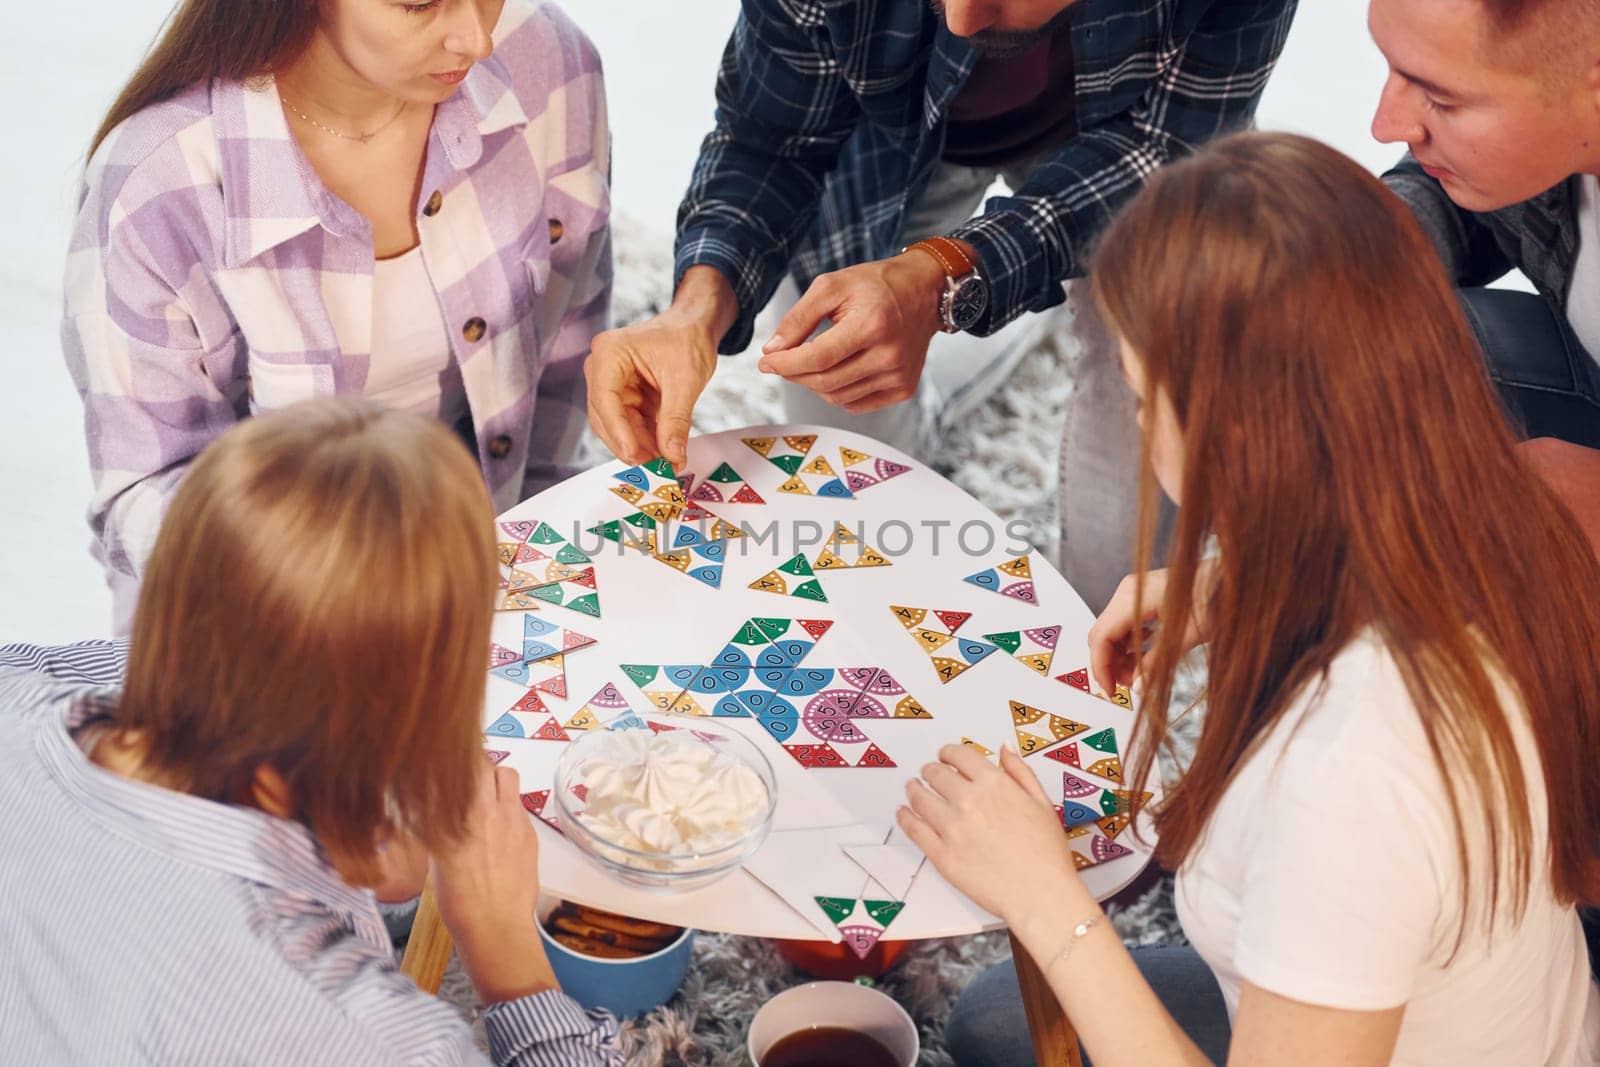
column 1573, row 472
column 884, row 313
column 644, row 379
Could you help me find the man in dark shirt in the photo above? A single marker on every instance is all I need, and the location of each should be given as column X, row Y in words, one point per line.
column 847, row 130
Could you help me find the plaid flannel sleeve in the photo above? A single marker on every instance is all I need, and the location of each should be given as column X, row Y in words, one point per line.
column 1030, row 242
column 783, row 113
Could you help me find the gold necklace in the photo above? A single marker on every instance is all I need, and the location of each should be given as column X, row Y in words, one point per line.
column 362, row 138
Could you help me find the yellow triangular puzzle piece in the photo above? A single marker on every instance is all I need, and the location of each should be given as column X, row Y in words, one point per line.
column 796, row 486
column 911, row 708
column 660, row 510
column 842, row 535
column 1024, row 713
column 850, row 457
column 932, row 640
column 763, row 445
column 949, row 669
column 584, row 720
column 1039, row 661
column 970, row 743
column 818, row 466
column 1110, row 767
column 631, row 493
column 1063, row 728
column 827, row 561
column 908, row 617
column 801, row 443
column 678, row 561
column 1017, row 568
column 871, row 557
column 520, row 580
column 770, row 582
column 1029, row 743
column 507, row 552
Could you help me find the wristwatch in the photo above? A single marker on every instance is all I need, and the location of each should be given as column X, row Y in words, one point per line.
column 966, row 294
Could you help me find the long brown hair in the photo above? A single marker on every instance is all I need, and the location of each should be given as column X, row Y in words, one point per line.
column 319, row 601
column 205, row 39
column 1343, row 445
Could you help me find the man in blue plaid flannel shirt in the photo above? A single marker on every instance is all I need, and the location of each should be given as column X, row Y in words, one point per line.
column 849, row 129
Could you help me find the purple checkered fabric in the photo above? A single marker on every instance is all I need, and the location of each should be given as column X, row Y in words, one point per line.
column 211, row 275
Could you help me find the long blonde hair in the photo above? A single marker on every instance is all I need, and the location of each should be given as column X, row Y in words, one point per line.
column 319, row 600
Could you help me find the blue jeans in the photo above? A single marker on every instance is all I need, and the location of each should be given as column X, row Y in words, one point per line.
column 1549, row 386
column 987, row 1027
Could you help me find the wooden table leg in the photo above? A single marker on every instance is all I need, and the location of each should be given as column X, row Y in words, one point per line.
column 1055, row 1044
column 428, row 949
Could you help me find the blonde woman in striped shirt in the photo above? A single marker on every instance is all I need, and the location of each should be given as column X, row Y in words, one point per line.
column 193, row 862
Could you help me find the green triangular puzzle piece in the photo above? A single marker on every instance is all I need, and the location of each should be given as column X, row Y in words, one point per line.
column 796, row 564
column 724, row 474
column 544, row 535
column 611, row 531
column 751, row 634
column 1109, row 802
column 588, row 604
column 773, row 628
column 660, row 466
column 1011, row 640
column 790, row 465
column 883, row 911
column 550, row 594
column 641, row 520
column 810, row 589
column 568, row 554
column 640, row 673
column 838, row 908
column 1104, row 741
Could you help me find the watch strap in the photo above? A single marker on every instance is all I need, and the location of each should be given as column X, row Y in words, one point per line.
column 951, row 256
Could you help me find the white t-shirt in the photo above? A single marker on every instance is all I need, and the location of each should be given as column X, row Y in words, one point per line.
column 1583, row 293
column 412, row 368
column 1328, row 875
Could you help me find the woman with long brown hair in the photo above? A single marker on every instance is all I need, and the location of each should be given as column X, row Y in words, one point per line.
column 191, row 861
column 402, row 199
column 1392, row 808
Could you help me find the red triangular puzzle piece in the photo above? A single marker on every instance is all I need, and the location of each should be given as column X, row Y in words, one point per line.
column 1078, row 679
column 953, row 619
column 815, row 627
column 551, row 731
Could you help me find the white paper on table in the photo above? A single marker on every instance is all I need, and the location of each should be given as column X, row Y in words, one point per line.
column 895, row 867
column 800, row 865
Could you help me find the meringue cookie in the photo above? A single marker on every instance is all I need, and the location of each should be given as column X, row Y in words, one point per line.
column 669, row 794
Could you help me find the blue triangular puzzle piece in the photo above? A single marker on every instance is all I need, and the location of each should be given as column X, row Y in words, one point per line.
column 709, row 573
column 505, row 726
column 989, row 579
column 538, row 626
column 973, row 651
column 513, row 672
column 1074, row 814
column 836, row 488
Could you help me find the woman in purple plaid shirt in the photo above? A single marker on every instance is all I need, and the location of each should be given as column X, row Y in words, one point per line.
column 406, row 200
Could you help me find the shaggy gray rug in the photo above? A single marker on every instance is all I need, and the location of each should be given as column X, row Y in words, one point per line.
column 1004, row 453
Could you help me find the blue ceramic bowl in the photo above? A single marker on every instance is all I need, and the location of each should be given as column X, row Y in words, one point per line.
column 623, row 987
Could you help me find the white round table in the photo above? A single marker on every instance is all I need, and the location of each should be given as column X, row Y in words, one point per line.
column 834, row 834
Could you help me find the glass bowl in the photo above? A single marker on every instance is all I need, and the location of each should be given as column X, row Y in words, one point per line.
column 610, row 757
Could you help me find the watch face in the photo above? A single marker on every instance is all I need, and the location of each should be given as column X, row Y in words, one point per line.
column 968, row 302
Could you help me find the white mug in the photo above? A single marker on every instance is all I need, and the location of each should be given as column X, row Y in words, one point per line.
column 841, row 1004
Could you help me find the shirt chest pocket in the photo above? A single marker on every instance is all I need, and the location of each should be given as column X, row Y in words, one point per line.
column 278, row 385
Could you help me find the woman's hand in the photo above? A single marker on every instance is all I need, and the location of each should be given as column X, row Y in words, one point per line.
column 1117, row 636
column 990, row 830
column 488, row 888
